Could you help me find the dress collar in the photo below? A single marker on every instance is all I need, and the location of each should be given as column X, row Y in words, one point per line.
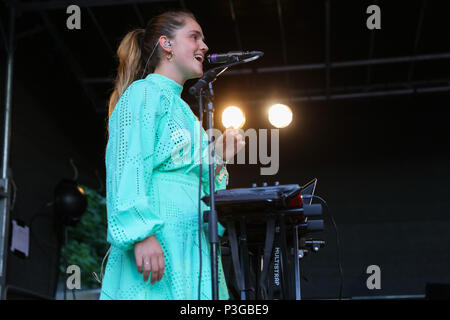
column 166, row 83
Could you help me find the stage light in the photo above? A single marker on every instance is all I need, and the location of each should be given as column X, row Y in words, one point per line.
column 280, row 115
column 233, row 117
column 81, row 190
column 70, row 202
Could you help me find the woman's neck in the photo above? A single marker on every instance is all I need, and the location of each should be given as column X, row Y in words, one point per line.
column 170, row 72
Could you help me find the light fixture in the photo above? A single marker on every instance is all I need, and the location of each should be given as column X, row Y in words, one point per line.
column 233, row 117
column 70, row 202
column 280, row 115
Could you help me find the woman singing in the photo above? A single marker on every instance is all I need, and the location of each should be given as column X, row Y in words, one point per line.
column 152, row 196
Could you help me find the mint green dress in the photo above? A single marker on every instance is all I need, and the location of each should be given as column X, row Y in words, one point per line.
column 152, row 181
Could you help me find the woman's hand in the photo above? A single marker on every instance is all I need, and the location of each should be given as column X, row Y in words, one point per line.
column 229, row 144
column 149, row 257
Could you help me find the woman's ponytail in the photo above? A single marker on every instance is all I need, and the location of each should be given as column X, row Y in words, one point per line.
column 130, row 65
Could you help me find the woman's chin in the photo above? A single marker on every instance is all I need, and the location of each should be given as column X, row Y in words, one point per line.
column 197, row 74
column 200, row 71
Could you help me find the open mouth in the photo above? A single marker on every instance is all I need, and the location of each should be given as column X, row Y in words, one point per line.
column 198, row 58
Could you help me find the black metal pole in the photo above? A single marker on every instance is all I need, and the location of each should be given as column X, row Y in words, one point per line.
column 327, row 49
column 212, row 219
column 298, row 295
column 4, row 180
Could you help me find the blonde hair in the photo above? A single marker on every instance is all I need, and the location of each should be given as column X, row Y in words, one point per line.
column 129, row 54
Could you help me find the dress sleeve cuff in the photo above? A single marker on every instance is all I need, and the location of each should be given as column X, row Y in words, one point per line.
column 132, row 222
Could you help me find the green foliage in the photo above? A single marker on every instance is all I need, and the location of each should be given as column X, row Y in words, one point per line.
column 86, row 241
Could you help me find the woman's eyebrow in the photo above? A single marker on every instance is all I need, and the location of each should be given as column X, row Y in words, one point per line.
column 199, row 33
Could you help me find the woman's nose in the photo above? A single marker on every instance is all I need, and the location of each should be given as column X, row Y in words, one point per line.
column 204, row 47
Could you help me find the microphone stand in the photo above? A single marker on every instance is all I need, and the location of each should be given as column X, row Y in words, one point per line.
column 197, row 90
column 212, row 219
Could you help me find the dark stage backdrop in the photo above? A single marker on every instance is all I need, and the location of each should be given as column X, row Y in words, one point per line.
column 40, row 154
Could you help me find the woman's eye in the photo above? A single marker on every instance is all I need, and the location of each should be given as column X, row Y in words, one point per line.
column 195, row 37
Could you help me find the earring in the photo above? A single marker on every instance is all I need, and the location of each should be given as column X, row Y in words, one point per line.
column 169, row 56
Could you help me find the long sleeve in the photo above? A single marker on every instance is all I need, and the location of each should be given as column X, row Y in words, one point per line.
column 132, row 211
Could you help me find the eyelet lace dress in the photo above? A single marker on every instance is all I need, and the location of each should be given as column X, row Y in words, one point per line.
column 152, row 173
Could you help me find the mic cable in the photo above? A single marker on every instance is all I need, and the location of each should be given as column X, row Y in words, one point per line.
column 341, row 273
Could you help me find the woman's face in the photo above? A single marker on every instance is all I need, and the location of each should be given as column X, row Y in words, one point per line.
column 189, row 50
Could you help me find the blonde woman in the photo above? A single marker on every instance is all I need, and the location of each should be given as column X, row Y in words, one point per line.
column 152, row 200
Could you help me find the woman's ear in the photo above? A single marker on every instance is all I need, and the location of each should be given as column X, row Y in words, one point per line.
column 165, row 44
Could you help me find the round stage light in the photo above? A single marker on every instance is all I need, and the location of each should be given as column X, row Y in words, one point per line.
column 280, row 115
column 70, row 202
column 233, row 117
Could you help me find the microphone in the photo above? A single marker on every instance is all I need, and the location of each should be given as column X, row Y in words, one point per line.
column 232, row 56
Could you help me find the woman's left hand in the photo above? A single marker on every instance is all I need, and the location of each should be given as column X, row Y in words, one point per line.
column 229, row 144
